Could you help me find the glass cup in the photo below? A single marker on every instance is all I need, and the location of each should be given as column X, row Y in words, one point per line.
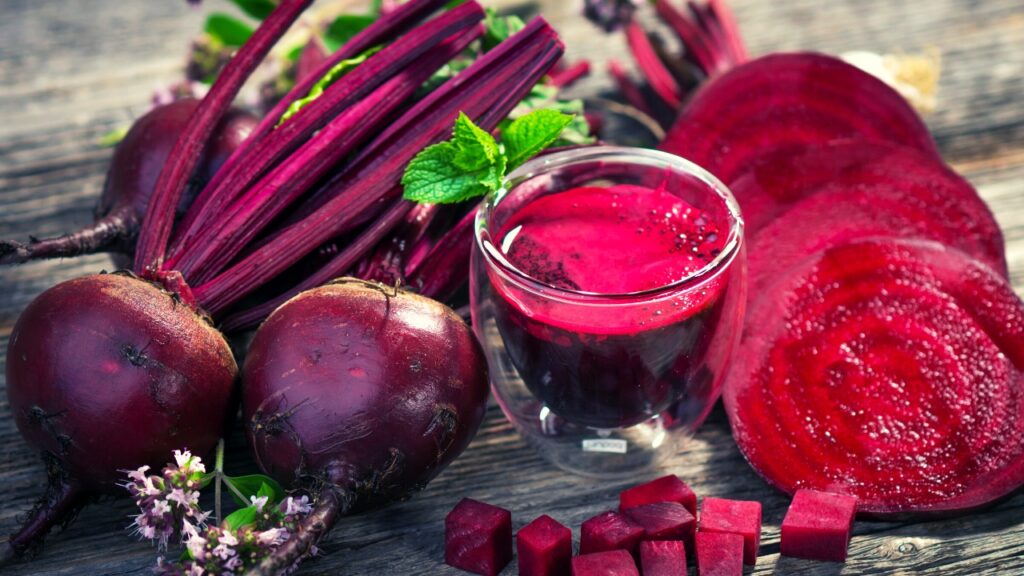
column 607, row 384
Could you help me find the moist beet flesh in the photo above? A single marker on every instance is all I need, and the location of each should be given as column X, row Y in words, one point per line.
column 786, row 100
column 719, row 554
column 608, row 563
column 664, row 521
column 544, row 547
column 665, row 489
column 817, row 525
column 889, row 370
column 663, row 558
column 609, row 531
column 741, row 517
column 478, row 537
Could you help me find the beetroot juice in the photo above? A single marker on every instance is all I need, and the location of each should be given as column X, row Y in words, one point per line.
column 607, row 296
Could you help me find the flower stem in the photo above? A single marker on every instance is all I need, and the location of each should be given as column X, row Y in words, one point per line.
column 218, row 472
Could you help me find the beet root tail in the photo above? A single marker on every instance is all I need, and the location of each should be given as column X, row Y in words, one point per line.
column 58, row 507
column 331, row 505
column 108, row 234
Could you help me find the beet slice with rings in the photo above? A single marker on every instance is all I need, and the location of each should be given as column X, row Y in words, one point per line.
column 889, row 370
column 785, row 100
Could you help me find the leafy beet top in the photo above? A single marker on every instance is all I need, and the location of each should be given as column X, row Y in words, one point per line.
column 889, row 370
column 786, row 100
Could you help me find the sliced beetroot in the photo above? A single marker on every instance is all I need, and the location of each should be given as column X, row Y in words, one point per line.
column 609, row 531
column 786, row 100
column 664, row 521
column 817, row 525
column 870, row 189
column 719, row 554
column 665, row 489
column 544, row 547
column 478, row 537
column 889, row 370
column 663, row 558
column 741, row 517
column 610, row 563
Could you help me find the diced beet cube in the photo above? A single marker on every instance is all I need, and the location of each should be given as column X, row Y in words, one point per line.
column 610, row 563
column 544, row 547
column 741, row 517
column 664, row 521
column 817, row 525
column 663, row 558
column 719, row 554
column 478, row 537
column 665, row 489
column 609, row 531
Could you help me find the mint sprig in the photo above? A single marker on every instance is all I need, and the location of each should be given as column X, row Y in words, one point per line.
column 472, row 163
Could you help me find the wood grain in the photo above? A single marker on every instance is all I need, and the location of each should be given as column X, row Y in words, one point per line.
column 71, row 71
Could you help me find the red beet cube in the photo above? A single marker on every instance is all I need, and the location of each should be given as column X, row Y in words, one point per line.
column 663, row 558
column 665, row 489
column 478, row 537
column 817, row 525
column 610, row 563
column 719, row 554
column 544, row 547
column 609, row 531
column 735, row 517
column 664, row 521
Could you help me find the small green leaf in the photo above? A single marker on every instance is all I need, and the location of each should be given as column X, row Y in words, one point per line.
column 114, row 137
column 344, row 28
column 228, row 30
column 255, row 485
column 497, row 28
column 432, row 177
column 474, row 148
column 528, row 135
column 332, row 76
column 241, row 517
column 258, row 9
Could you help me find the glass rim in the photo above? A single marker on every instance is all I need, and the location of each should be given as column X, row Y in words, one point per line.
column 641, row 156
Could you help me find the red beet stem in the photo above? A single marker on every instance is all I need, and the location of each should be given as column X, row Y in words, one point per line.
column 58, row 506
column 690, row 34
column 727, row 21
column 182, row 162
column 446, row 267
column 486, row 91
column 388, row 262
column 207, row 207
column 331, row 505
column 658, row 76
column 630, row 90
column 335, row 267
column 346, row 92
column 105, row 234
column 570, row 75
column 289, row 180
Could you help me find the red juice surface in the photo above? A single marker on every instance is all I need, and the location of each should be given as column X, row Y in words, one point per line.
column 634, row 356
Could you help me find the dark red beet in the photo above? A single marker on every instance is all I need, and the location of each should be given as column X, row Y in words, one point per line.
column 665, row 489
column 107, row 373
column 610, row 563
column 362, row 392
column 782, row 101
column 888, row 370
column 478, row 537
column 664, row 521
column 719, row 554
column 817, row 525
column 544, row 547
column 662, row 558
column 885, row 190
column 609, row 531
column 131, row 178
column 741, row 517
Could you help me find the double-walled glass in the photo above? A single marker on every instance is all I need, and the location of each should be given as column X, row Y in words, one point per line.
column 607, row 384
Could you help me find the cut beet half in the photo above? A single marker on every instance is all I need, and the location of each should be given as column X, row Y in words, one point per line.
column 889, row 370
column 785, row 100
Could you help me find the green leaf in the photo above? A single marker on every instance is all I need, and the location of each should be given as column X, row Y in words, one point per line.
column 114, row 137
column 258, row 9
column 497, row 28
column 432, row 177
column 241, row 517
column 528, row 135
column 228, row 30
column 344, row 28
column 474, row 148
column 332, row 76
column 255, row 485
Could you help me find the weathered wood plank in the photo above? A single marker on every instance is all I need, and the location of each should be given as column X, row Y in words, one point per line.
column 69, row 75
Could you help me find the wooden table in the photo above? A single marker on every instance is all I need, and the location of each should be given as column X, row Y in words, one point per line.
column 71, row 70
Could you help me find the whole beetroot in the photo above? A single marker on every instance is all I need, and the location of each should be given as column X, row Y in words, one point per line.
column 103, row 375
column 360, row 394
column 131, row 179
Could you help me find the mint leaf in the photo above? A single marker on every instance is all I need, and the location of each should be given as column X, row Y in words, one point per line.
column 241, row 517
column 474, row 148
column 546, row 96
column 528, row 135
column 332, row 76
column 255, row 485
column 433, row 177
column 227, row 30
column 497, row 28
column 258, row 9
column 344, row 28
